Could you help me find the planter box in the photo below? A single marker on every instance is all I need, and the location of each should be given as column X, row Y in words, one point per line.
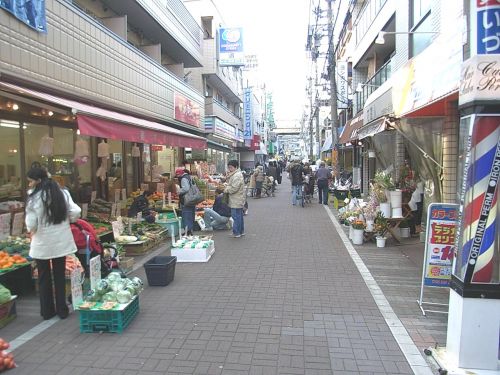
column 193, row 255
column 8, row 311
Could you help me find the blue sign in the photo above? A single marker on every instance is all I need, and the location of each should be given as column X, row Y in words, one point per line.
column 247, row 111
column 230, row 47
column 30, row 12
column 488, row 31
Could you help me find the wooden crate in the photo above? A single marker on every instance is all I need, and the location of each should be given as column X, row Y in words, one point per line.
column 137, row 248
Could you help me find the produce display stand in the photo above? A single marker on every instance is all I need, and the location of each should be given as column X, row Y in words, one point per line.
column 114, row 320
column 18, row 279
column 8, row 311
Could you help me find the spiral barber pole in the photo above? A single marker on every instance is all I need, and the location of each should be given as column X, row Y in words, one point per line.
column 480, row 200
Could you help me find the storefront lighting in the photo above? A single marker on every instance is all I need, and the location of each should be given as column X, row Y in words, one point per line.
column 77, row 131
column 15, row 107
column 51, row 113
column 9, row 124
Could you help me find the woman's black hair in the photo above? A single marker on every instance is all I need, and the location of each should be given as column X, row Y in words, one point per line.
column 53, row 199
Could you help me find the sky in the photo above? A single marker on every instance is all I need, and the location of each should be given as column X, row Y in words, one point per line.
column 276, row 31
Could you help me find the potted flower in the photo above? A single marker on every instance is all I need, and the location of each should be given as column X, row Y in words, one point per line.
column 381, row 226
column 358, row 227
column 369, row 213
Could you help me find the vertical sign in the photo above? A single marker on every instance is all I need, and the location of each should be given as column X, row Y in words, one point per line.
column 95, row 271
column 486, row 16
column 4, row 226
column 440, row 244
column 342, row 99
column 85, row 210
column 18, row 223
column 76, row 287
column 230, row 47
column 247, row 109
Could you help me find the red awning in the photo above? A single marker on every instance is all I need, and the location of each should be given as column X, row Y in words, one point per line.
column 99, row 122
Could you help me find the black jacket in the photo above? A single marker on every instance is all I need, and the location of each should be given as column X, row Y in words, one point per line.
column 220, row 207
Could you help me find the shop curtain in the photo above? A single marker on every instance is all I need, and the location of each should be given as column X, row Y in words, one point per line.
column 427, row 134
column 383, row 143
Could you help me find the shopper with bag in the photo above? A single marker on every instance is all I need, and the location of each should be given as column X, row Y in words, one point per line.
column 189, row 197
column 237, row 197
column 49, row 211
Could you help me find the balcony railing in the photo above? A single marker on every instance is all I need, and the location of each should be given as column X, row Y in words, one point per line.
column 382, row 75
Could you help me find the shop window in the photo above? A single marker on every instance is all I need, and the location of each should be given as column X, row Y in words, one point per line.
column 10, row 161
column 61, row 164
column 32, row 136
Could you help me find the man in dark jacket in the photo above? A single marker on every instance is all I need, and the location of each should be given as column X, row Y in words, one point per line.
column 217, row 217
column 296, row 175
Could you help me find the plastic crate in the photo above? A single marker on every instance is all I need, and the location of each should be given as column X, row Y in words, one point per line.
column 160, row 270
column 172, row 225
column 108, row 320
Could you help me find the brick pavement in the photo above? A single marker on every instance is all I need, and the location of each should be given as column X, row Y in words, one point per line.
column 284, row 299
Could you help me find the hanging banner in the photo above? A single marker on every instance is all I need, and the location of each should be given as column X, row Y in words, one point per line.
column 186, row 110
column 440, row 244
column 342, row 81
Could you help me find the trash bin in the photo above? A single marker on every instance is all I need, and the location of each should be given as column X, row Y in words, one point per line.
column 160, row 270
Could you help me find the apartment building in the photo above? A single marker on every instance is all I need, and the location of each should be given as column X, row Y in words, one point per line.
column 96, row 85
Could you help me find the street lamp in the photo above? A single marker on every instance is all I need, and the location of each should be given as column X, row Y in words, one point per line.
column 380, row 38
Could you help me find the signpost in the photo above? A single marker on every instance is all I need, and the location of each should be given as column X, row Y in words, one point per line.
column 439, row 249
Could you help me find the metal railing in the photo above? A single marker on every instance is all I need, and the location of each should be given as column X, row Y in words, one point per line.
column 382, row 75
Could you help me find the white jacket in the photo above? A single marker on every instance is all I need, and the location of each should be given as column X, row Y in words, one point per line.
column 50, row 240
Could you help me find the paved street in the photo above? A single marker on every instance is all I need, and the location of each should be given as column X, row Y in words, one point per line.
column 285, row 299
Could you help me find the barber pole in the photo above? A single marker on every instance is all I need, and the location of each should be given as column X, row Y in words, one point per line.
column 480, row 200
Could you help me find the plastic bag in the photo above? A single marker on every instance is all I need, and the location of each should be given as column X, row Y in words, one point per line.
column 46, row 146
column 103, row 150
column 81, row 149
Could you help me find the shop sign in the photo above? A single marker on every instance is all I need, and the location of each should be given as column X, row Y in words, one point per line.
column 342, row 79
column 440, row 244
column 32, row 13
column 480, row 79
column 224, row 129
column 380, row 106
column 156, row 148
column 238, row 135
column 486, row 23
column 255, row 144
column 230, row 47
column 186, row 110
column 247, row 111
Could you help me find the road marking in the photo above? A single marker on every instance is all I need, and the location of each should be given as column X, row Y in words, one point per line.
column 415, row 359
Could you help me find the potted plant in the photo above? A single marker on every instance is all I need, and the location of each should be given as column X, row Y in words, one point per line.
column 369, row 213
column 404, row 228
column 358, row 227
column 381, row 226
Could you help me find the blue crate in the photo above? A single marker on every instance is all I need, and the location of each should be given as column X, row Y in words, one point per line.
column 108, row 320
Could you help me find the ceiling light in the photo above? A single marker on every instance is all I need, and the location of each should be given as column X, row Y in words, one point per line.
column 15, row 107
column 51, row 113
column 9, row 124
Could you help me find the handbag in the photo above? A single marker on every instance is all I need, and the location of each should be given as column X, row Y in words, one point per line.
column 193, row 195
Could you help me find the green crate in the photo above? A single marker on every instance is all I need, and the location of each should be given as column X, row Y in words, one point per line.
column 108, row 320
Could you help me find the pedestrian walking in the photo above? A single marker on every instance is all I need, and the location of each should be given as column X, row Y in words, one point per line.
column 296, row 176
column 323, row 175
column 259, row 180
column 273, row 172
column 218, row 216
column 49, row 211
column 187, row 212
column 236, row 190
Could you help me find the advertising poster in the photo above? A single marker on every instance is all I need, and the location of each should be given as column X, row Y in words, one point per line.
column 32, row 12
column 186, row 110
column 230, row 47
column 440, row 244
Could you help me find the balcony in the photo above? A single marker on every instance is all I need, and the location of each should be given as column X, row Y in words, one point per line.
column 214, row 108
column 382, row 75
column 223, row 79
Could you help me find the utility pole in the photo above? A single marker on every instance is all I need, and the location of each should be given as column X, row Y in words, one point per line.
column 311, row 117
column 316, row 113
column 333, row 90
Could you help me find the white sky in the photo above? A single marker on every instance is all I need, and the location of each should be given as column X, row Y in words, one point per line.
column 276, row 31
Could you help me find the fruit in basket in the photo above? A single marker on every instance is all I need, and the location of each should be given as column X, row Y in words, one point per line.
column 7, row 261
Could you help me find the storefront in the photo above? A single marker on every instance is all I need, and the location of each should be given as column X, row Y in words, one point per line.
column 84, row 147
column 222, row 137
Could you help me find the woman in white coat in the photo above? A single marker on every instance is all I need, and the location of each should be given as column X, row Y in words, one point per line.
column 49, row 210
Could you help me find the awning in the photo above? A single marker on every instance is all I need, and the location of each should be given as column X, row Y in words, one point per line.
column 99, row 122
column 372, row 128
column 218, row 146
column 351, row 129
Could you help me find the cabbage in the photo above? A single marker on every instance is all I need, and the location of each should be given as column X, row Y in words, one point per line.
column 102, row 287
column 92, row 296
column 113, row 276
column 109, row 297
column 123, row 296
column 131, row 290
column 4, row 294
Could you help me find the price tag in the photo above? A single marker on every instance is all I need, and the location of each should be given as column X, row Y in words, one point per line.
column 85, row 210
column 124, row 194
column 117, row 195
column 160, row 187
column 4, row 226
column 113, row 210
column 144, row 187
column 95, row 271
column 117, row 228
column 76, row 288
column 17, row 224
column 93, row 196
